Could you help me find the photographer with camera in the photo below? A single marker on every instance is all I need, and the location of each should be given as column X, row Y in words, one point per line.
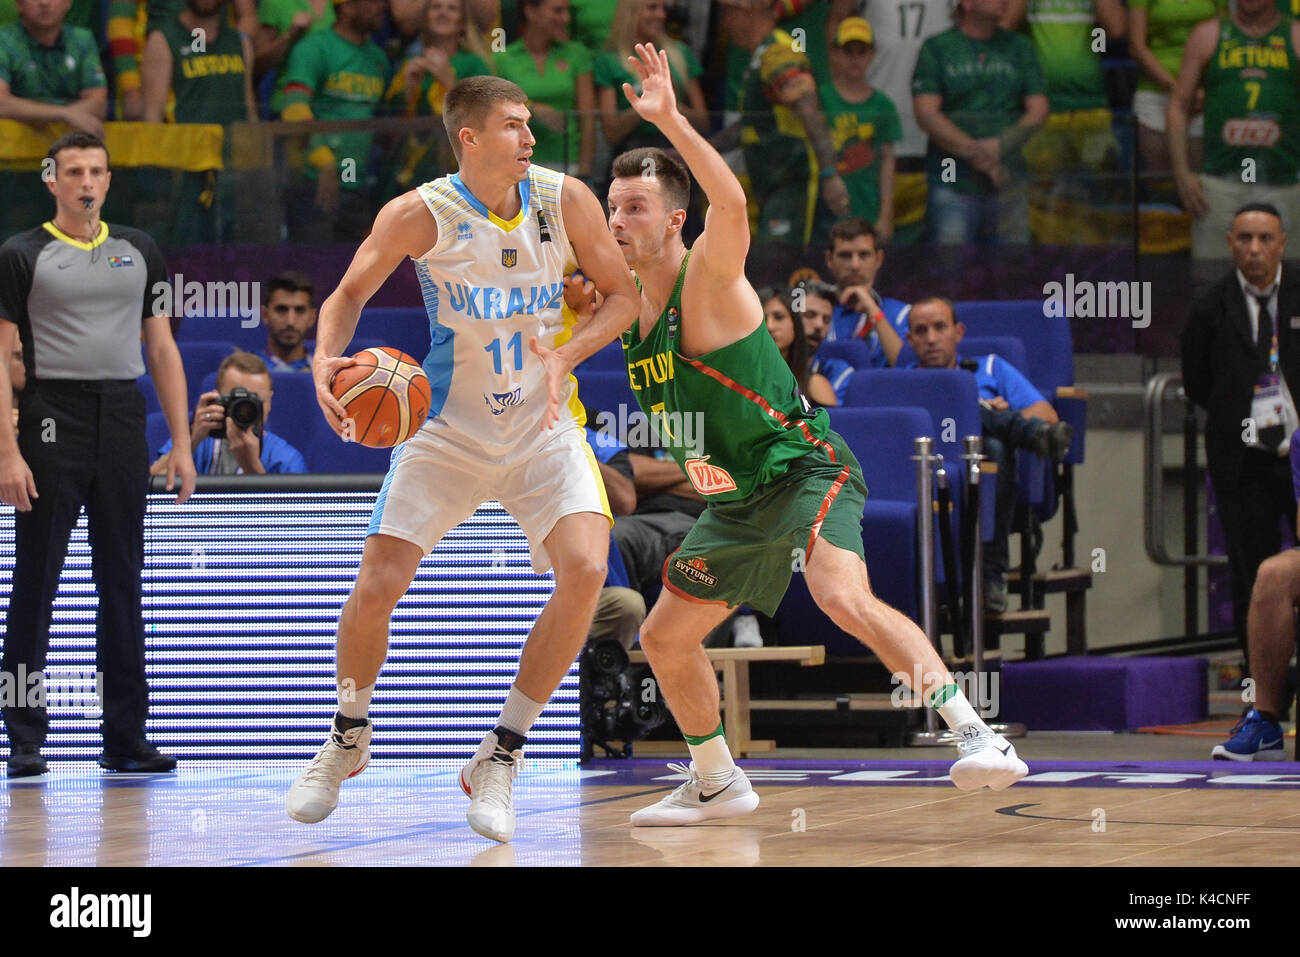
column 229, row 434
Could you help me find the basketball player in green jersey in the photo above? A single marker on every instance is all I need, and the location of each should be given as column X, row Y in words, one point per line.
column 1248, row 61
column 781, row 486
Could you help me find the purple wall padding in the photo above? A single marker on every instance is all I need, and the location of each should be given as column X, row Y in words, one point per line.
column 1104, row 694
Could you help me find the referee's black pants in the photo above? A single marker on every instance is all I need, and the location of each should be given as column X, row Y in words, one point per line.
column 1250, row 516
column 85, row 444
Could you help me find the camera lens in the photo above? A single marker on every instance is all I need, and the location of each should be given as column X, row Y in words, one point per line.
column 243, row 412
column 608, row 657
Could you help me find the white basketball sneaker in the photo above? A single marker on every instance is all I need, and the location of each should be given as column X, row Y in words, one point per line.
column 689, row 804
column 345, row 754
column 488, row 779
column 986, row 758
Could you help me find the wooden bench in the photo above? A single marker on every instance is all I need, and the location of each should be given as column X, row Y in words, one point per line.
column 1074, row 584
column 733, row 665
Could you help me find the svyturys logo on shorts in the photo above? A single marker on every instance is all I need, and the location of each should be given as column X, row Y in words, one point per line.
column 696, row 569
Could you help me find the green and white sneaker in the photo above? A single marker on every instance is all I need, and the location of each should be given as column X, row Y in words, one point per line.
column 691, row 804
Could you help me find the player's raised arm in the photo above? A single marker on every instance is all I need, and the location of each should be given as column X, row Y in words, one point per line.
column 725, row 242
column 404, row 227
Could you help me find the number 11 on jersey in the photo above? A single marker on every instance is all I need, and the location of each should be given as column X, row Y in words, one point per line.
column 516, row 345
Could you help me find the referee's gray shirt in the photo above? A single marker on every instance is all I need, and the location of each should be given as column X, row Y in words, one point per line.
column 80, row 306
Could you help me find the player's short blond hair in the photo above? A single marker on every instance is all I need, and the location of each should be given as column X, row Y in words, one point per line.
column 469, row 102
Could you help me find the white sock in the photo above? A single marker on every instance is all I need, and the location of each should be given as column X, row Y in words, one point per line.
column 520, row 712
column 713, row 760
column 956, row 711
column 355, row 704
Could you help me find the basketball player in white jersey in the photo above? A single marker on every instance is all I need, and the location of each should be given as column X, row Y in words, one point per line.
column 492, row 246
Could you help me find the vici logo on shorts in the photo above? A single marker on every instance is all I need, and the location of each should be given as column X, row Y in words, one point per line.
column 709, row 479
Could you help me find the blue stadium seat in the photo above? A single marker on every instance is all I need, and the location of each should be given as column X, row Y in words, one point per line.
column 881, row 440
column 405, row 328
column 1049, row 366
column 853, row 351
column 156, row 433
column 1049, row 352
column 228, row 329
column 146, row 387
column 951, row 398
column 330, row 454
column 608, row 358
column 605, row 392
column 199, row 359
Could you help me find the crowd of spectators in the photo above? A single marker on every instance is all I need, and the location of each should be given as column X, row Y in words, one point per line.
column 935, row 120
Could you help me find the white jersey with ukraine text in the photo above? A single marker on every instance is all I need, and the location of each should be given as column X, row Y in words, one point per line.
column 489, row 286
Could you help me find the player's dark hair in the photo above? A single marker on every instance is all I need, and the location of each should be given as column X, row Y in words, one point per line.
column 1259, row 208
column 946, row 303
column 851, row 228
column 798, row 358
column 469, row 102
column 665, row 166
column 76, row 140
column 289, row 281
column 245, row 362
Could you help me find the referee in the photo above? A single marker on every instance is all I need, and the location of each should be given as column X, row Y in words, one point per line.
column 72, row 290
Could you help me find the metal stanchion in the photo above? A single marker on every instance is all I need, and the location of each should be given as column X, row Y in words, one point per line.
column 974, row 449
column 925, row 458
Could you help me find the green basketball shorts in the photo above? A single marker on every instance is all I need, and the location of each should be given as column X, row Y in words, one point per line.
column 743, row 553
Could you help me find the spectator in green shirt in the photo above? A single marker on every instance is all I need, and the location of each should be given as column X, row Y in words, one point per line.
column 188, row 81
column 1157, row 33
column 864, row 127
column 979, row 95
column 450, row 49
column 282, row 23
column 1074, row 156
column 642, row 21
column 335, row 74
column 555, row 73
column 50, row 72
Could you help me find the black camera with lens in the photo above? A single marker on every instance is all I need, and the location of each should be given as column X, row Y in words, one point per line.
column 244, row 409
column 620, row 702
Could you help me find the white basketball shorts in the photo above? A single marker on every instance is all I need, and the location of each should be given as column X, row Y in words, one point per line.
column 438, row 478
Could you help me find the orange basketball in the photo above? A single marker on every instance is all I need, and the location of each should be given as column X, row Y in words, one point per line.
column 386, row 395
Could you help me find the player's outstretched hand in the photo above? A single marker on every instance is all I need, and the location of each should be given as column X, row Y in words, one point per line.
column 657, row 101
column 580, row 295
column 180, row 464
column 323, row 369
column 557, row 372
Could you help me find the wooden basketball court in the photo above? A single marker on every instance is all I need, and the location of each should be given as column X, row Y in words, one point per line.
column 842, row 813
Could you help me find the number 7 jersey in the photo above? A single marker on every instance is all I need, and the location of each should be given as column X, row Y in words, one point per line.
column 489, row 286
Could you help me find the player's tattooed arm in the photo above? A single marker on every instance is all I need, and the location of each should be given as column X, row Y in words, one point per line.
column 404, row 228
